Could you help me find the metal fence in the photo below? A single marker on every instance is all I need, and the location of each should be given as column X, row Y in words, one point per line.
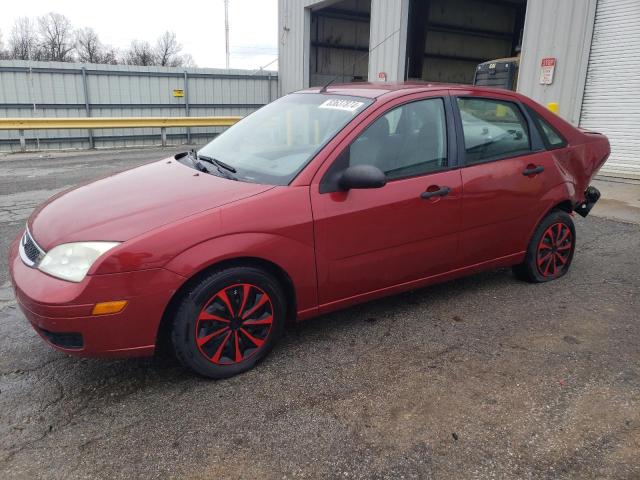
column 52, row 89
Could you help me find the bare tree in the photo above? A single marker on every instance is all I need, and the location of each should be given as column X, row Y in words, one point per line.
column 140, row 53
column 3, row 53
column 112, row 56
column 167, row 50
column 23, row 42
column 56, row 37
column 89, row 49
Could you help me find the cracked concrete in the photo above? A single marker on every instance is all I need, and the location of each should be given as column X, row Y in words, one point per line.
column 484, row 377
column 18, row 206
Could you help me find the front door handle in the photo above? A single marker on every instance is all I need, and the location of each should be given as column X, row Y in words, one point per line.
column 532, row 170
column 440, row 192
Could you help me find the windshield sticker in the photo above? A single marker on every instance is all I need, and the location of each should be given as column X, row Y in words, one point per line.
column 346, row 105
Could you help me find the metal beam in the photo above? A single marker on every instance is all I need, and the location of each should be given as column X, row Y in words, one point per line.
column 94, row 106
column 87, row 107
column 339, row 46
column 130, row 73
column 341, row 14
column 456, row 58
column 186, row 103
column 23, row 141
column 473, row 32
column 109, row 138
column 507, row 3
column 113, row 122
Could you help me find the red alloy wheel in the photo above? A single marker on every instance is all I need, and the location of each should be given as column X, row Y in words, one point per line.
column 554, row 250
column 234, row 324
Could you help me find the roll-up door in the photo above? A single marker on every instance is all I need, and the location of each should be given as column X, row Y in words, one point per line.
column 611, row 103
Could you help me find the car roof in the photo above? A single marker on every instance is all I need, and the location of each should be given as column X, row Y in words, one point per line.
column 375, row 90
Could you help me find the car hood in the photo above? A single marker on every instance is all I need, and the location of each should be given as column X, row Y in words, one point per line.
column 127, row 204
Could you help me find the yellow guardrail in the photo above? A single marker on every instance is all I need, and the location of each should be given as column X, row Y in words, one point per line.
column 92, row 123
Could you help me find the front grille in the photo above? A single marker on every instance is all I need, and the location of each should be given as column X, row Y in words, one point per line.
column 30, row 248
column 29, row 251
column 68, row 340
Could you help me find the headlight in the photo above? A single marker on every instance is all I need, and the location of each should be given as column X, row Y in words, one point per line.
column 72, row 261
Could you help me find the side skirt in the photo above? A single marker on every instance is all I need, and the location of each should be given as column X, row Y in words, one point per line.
column 505, row 261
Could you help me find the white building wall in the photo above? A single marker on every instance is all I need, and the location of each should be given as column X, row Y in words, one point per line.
column 294, row 21
column 341, row 43
column 388, row 39
column 560, row 29
column 388, row 28
column 553, row 28
column 611, row 104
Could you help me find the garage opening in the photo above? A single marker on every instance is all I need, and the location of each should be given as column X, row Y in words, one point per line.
column 447, row 39
column 339, row 39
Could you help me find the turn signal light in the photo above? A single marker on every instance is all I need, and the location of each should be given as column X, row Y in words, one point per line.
column 109, row 307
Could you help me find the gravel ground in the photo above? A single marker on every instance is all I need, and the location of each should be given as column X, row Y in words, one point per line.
column 484, row 377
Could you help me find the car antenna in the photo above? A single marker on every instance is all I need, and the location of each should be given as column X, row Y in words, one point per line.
column 355, row 62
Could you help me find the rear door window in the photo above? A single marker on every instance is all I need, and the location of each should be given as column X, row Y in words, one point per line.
column 550, row 136
column 492, row 129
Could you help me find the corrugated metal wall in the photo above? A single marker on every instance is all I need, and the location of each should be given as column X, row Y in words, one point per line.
column 388, row 39
column 454, row 46
column 339, row 42
column 388, row 29
column 294, row 23
column 560, row 29
column 553, row 28
column 51, row 89
column 611, row 104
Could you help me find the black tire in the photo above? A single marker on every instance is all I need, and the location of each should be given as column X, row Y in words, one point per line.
column 550, row 250
column 218, row 302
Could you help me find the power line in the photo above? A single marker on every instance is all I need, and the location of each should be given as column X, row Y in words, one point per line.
column 264, row 66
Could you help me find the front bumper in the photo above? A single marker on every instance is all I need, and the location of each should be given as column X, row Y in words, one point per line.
column 61, row 312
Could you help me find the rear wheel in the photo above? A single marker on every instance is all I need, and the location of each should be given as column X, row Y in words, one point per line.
column 228, row 322
column 550, row 250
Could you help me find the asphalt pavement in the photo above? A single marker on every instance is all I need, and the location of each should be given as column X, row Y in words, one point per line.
column 483, row 377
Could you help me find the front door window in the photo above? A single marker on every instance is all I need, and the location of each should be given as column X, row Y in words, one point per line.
column 408, row 141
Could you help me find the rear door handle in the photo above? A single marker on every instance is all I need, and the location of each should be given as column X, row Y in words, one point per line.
column 532, row 171
column 441, row 192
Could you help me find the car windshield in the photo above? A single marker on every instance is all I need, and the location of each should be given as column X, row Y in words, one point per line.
column 274, row 143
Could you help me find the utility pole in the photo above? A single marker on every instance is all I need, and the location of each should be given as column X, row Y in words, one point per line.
column 226, row 29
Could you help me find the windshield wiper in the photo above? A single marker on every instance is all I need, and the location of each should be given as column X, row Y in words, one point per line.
column 221, row 168
column 197, row 164
column 217, row 162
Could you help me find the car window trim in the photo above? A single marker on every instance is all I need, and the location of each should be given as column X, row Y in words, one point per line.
column 450, row 132
column 535, row 139
column 535, row 118
column 451, row 140
column 372, row 103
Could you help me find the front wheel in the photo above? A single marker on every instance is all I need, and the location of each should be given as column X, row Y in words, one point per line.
column 550, row 250
column 228, row 322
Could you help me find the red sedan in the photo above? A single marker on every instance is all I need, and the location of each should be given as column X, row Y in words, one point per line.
column 320, row 200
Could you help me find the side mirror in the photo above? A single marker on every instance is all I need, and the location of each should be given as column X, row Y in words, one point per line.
column 362, row 176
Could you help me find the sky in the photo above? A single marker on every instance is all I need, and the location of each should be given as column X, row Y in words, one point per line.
column 199, row 25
